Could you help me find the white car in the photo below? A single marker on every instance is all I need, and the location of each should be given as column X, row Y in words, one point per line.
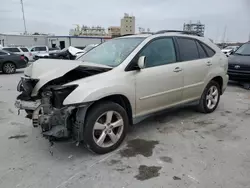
column 85, row 50
column 229, row 49
column 96, row 98
column 20, row 50
column 39, row 50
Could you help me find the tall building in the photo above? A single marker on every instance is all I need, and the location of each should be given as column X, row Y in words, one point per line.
column 194, row 27
column 114, row 31
column 127, row 24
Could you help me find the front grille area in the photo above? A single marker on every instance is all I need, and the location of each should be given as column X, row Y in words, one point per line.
column 240, row 68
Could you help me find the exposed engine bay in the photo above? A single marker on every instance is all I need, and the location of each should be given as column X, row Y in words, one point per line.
column 46, row 109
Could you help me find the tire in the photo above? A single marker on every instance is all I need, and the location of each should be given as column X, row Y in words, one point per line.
column 92, row 134
column 204, row 106
column 9, row 68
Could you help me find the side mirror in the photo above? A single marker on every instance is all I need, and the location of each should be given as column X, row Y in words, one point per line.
column 141, row 62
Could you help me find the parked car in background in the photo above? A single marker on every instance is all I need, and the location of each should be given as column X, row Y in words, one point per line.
column 239, row 64
column 86, row 49
column 54, row 50
column 20, row 50
column 67, row 53
column 95, row 98
column 39, row 50
column 229, row 49
column 9, row 62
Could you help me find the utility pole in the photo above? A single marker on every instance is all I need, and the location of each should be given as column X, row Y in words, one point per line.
column 24, row 23
column 224, row 35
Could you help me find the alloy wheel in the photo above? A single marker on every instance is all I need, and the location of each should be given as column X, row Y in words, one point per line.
column 108, row 129
column 212, row 97
column 9, row 68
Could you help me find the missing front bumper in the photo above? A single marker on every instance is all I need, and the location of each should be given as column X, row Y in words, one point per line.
column 27, row 105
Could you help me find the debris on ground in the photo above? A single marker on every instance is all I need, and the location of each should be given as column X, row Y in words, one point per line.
column 176, row 178
column 18, row 136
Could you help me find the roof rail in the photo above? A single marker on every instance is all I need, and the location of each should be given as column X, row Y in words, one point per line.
column 177, row 31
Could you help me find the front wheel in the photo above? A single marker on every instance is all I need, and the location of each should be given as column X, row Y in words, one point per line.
column 210, row 98
column 105, row 127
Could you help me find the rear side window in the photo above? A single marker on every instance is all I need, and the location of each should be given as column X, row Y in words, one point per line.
column 188, row 49
column 42, row 48
column 201, row 51
column 208, row 50
column 24, row 49
column 12, row 49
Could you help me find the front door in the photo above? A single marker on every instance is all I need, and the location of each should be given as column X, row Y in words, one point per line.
column 159, row 84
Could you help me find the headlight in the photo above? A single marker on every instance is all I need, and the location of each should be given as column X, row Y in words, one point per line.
column 26, row 84
column 60, row 93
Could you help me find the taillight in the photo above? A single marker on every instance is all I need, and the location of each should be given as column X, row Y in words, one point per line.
column 22, row 57
column 30, row 54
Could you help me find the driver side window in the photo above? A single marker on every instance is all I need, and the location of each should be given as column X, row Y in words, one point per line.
column 159, row 52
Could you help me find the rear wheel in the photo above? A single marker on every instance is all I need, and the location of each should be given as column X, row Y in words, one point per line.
column 210, row 98
column 105, row 127
column 9, row 68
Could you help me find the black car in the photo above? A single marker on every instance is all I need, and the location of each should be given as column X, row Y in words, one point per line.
column 239, row 64
column 63, row 54
column 9, row 62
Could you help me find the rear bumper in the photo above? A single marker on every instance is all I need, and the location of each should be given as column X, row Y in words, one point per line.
column 21, row 64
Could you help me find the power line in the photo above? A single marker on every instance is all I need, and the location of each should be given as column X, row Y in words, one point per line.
column 24, row 23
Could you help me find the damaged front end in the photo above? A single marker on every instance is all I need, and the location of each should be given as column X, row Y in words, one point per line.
column 46, row 109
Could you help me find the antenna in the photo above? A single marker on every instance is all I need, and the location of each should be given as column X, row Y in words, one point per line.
column 24, row 23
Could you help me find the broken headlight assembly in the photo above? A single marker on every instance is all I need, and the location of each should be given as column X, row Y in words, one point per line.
column 60, row 93
column 26, row 84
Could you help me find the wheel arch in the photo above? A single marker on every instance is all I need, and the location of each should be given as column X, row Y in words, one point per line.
column 116, row 98
column 219, row 80
column 122, row 101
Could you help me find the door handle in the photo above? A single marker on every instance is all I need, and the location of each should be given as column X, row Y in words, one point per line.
column 177, row 69
column 209, row 63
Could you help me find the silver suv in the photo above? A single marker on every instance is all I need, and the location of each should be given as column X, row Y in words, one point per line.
column 96, row 98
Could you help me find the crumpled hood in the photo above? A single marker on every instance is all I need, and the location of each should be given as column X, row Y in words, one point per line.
column 46, row 70
column 54, row 68
column 50, row 67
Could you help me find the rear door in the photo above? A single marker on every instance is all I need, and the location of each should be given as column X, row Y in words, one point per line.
column 196, row 66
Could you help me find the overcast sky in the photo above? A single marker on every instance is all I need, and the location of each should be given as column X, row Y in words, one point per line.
column 59, row 16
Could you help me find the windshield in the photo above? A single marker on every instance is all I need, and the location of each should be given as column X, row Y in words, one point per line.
column 244, row 50
column 89, row 47
column 113, row 52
